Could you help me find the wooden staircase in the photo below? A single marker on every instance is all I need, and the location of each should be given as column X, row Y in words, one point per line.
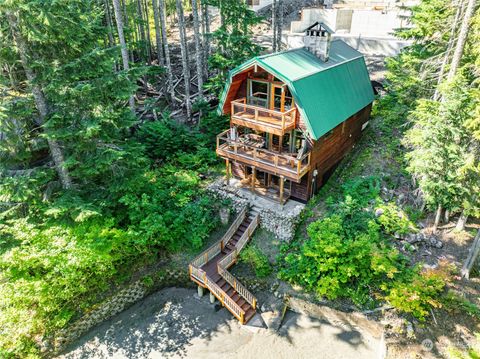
column 209, row 269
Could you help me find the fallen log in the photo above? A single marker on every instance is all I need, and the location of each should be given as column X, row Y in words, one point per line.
column 472, row 256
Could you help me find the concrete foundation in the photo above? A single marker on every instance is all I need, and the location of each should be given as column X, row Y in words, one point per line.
column 212, row 298
column 200, row 290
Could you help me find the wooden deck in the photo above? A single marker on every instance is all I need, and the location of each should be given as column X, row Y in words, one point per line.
column 262, row 119
column 276, row 163
column 209, row 270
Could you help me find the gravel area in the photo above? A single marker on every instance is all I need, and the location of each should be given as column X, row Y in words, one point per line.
column 175, row 323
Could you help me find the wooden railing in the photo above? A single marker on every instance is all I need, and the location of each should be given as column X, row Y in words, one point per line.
column 264, row 116
column 217, row 247
column 201, row 277
column 282, row 162
column 247, row 234
column 232, row 258
column 228, row 302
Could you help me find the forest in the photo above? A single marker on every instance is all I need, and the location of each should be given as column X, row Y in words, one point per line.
column 108, row 125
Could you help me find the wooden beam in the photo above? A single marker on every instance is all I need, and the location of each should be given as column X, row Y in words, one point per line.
column 282, row 180
column 254, row 173
column 227, row 163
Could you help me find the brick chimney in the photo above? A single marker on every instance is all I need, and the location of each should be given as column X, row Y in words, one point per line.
column 317, row 40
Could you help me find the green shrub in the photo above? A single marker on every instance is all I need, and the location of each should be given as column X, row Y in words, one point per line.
column 349, row 254
column 334, row 264
column 394, row 220
column 254, row 257
column 417, row 291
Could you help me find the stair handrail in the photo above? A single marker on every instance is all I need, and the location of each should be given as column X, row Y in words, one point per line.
column 238, row 286
column 248, row 232
column 218, row 246
column 230, row 259
column 223, row 297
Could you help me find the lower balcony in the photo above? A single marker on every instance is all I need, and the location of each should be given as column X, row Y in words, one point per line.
column 292, row 166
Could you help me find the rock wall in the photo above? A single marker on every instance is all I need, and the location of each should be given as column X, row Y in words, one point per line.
column 277, row 219
column 115, row 304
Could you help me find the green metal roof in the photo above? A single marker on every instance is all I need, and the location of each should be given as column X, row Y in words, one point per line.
column 326, row 93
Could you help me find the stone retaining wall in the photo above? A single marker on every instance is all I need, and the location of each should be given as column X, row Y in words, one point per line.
column 277, row 219
column 115, row 304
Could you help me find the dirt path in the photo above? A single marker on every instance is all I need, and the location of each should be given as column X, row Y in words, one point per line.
column 175, row 323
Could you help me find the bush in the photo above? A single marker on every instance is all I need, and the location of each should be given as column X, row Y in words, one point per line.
column 418, row 291
column 335, row 264
column 254, row 257
column 349, row 254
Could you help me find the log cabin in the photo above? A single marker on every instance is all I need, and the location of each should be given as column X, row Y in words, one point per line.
column 294, row 115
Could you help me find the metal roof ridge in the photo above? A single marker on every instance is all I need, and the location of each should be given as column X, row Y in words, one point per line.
column 328, row 68
column 278, row 53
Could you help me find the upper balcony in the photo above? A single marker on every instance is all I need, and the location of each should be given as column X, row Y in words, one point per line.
column 253, row 113
column 292, row 166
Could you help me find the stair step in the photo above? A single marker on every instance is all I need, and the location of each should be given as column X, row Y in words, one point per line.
column 245, row 306
column 226, row 287
column 215, row 277
column 235, row 297
column 221, row 282
column 241, row 301
column 249, row 314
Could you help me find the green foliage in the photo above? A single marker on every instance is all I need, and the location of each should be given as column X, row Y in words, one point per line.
column 454, row 302
column 253, row 256
column 394, row 220
column 349, row 254
column 233, row 40
column 418, row 291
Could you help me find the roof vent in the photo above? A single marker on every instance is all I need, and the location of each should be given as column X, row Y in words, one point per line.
column 317, row 40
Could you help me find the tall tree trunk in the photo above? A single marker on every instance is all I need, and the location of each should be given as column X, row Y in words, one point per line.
column 462, row 221
column 141, row 30
column 125, row 16
column 462, row 39
column 274, row 25
column 279, row 25
column 40, row 100
column 185, row 64
column 123, row 46
column 158, row 33
column 438, row 216
column 168, row 63
column 198, row 48
column 222, row 14
column 147, row 27
column 108, row 16
column 206, row 36
column 451, row 41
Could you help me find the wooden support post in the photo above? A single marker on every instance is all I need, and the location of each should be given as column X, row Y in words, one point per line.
column 254, row 173
column 280, row 143
column 281, row 188
column 269, row 179
column 227, row 163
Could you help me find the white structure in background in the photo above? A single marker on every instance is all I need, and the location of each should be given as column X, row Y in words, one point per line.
column 256, row 5
column 365, row 25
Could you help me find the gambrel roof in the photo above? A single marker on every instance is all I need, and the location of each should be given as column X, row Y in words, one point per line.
column 326, row 93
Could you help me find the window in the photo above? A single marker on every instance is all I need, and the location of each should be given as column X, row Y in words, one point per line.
column 258, row 93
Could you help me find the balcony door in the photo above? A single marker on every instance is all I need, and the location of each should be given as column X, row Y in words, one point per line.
column 258, row 92
column 280, row 98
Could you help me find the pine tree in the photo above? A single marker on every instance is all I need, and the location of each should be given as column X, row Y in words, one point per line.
column 198, row 48
column 185, row 62
column 168, row 63
column 123, row 46
column 40, row 99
